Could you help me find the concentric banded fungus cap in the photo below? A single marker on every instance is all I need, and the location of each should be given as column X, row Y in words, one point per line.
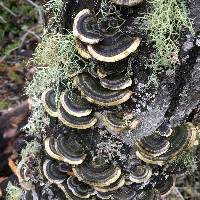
column 97, row 172
column 116, row 122
column 82, row 49
column 68, row 193
column 104, row 71
column 70, row 149
column 126, row 192
column 23, row 176
column 50, row 148
column 49, row 103
column 114, row 48
column 165, row 129
column 153, row 145
column 93, row 71
column 127, row 2
column 149, row 194
column 95, row 93
column 112, row 187
column 79, row 189
column 183, row 137
column 51, row 172
column 76, row 122
column 116, row 81
column 75, row 105
column 140, row 174
column 166, row 185
column 85, row 27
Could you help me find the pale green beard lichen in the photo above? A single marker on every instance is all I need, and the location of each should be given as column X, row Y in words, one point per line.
column 55, row 9
column 13, row 192
column 163, row 24
column 57, row 61
column 187, row 159
column 32, row 149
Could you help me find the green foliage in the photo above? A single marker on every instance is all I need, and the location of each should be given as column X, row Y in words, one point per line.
column 164, row 22
column 3, row 104
column 13, row 192
column 15, row 15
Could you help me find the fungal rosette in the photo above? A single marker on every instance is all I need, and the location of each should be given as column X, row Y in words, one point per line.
column 97, row 173
column 96, row 94
column 182, row 138
column 70, row 150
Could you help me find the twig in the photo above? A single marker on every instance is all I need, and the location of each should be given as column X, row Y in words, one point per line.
column 2, row 19
column 7, row 9
column 179, row 194
column 30, row 31
column 39, row 9
column 23, row 38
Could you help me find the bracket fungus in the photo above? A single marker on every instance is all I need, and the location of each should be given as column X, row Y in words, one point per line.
column 116, row 82
column 95, row 93
column 75, row 105
column 76, row 122
column 97, row 172
column 70, row 150
column 114, row 48
column 80, row 189
column 182, row 138
column 112, row 187
column 116, row 122
column 85, row 27
column 49, row 102
column 141, row 174
column 82, row 49
column 165, row 185
column 49, row 145
column 52, row 173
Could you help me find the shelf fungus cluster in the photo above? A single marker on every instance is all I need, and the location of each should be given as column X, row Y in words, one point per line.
column 95, row 113
column 100, row 43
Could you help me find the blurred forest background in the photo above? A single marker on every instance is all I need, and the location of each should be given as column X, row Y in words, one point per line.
column 21, row 24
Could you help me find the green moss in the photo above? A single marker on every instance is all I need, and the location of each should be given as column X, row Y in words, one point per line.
column 13, row 192
column 164, row 22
